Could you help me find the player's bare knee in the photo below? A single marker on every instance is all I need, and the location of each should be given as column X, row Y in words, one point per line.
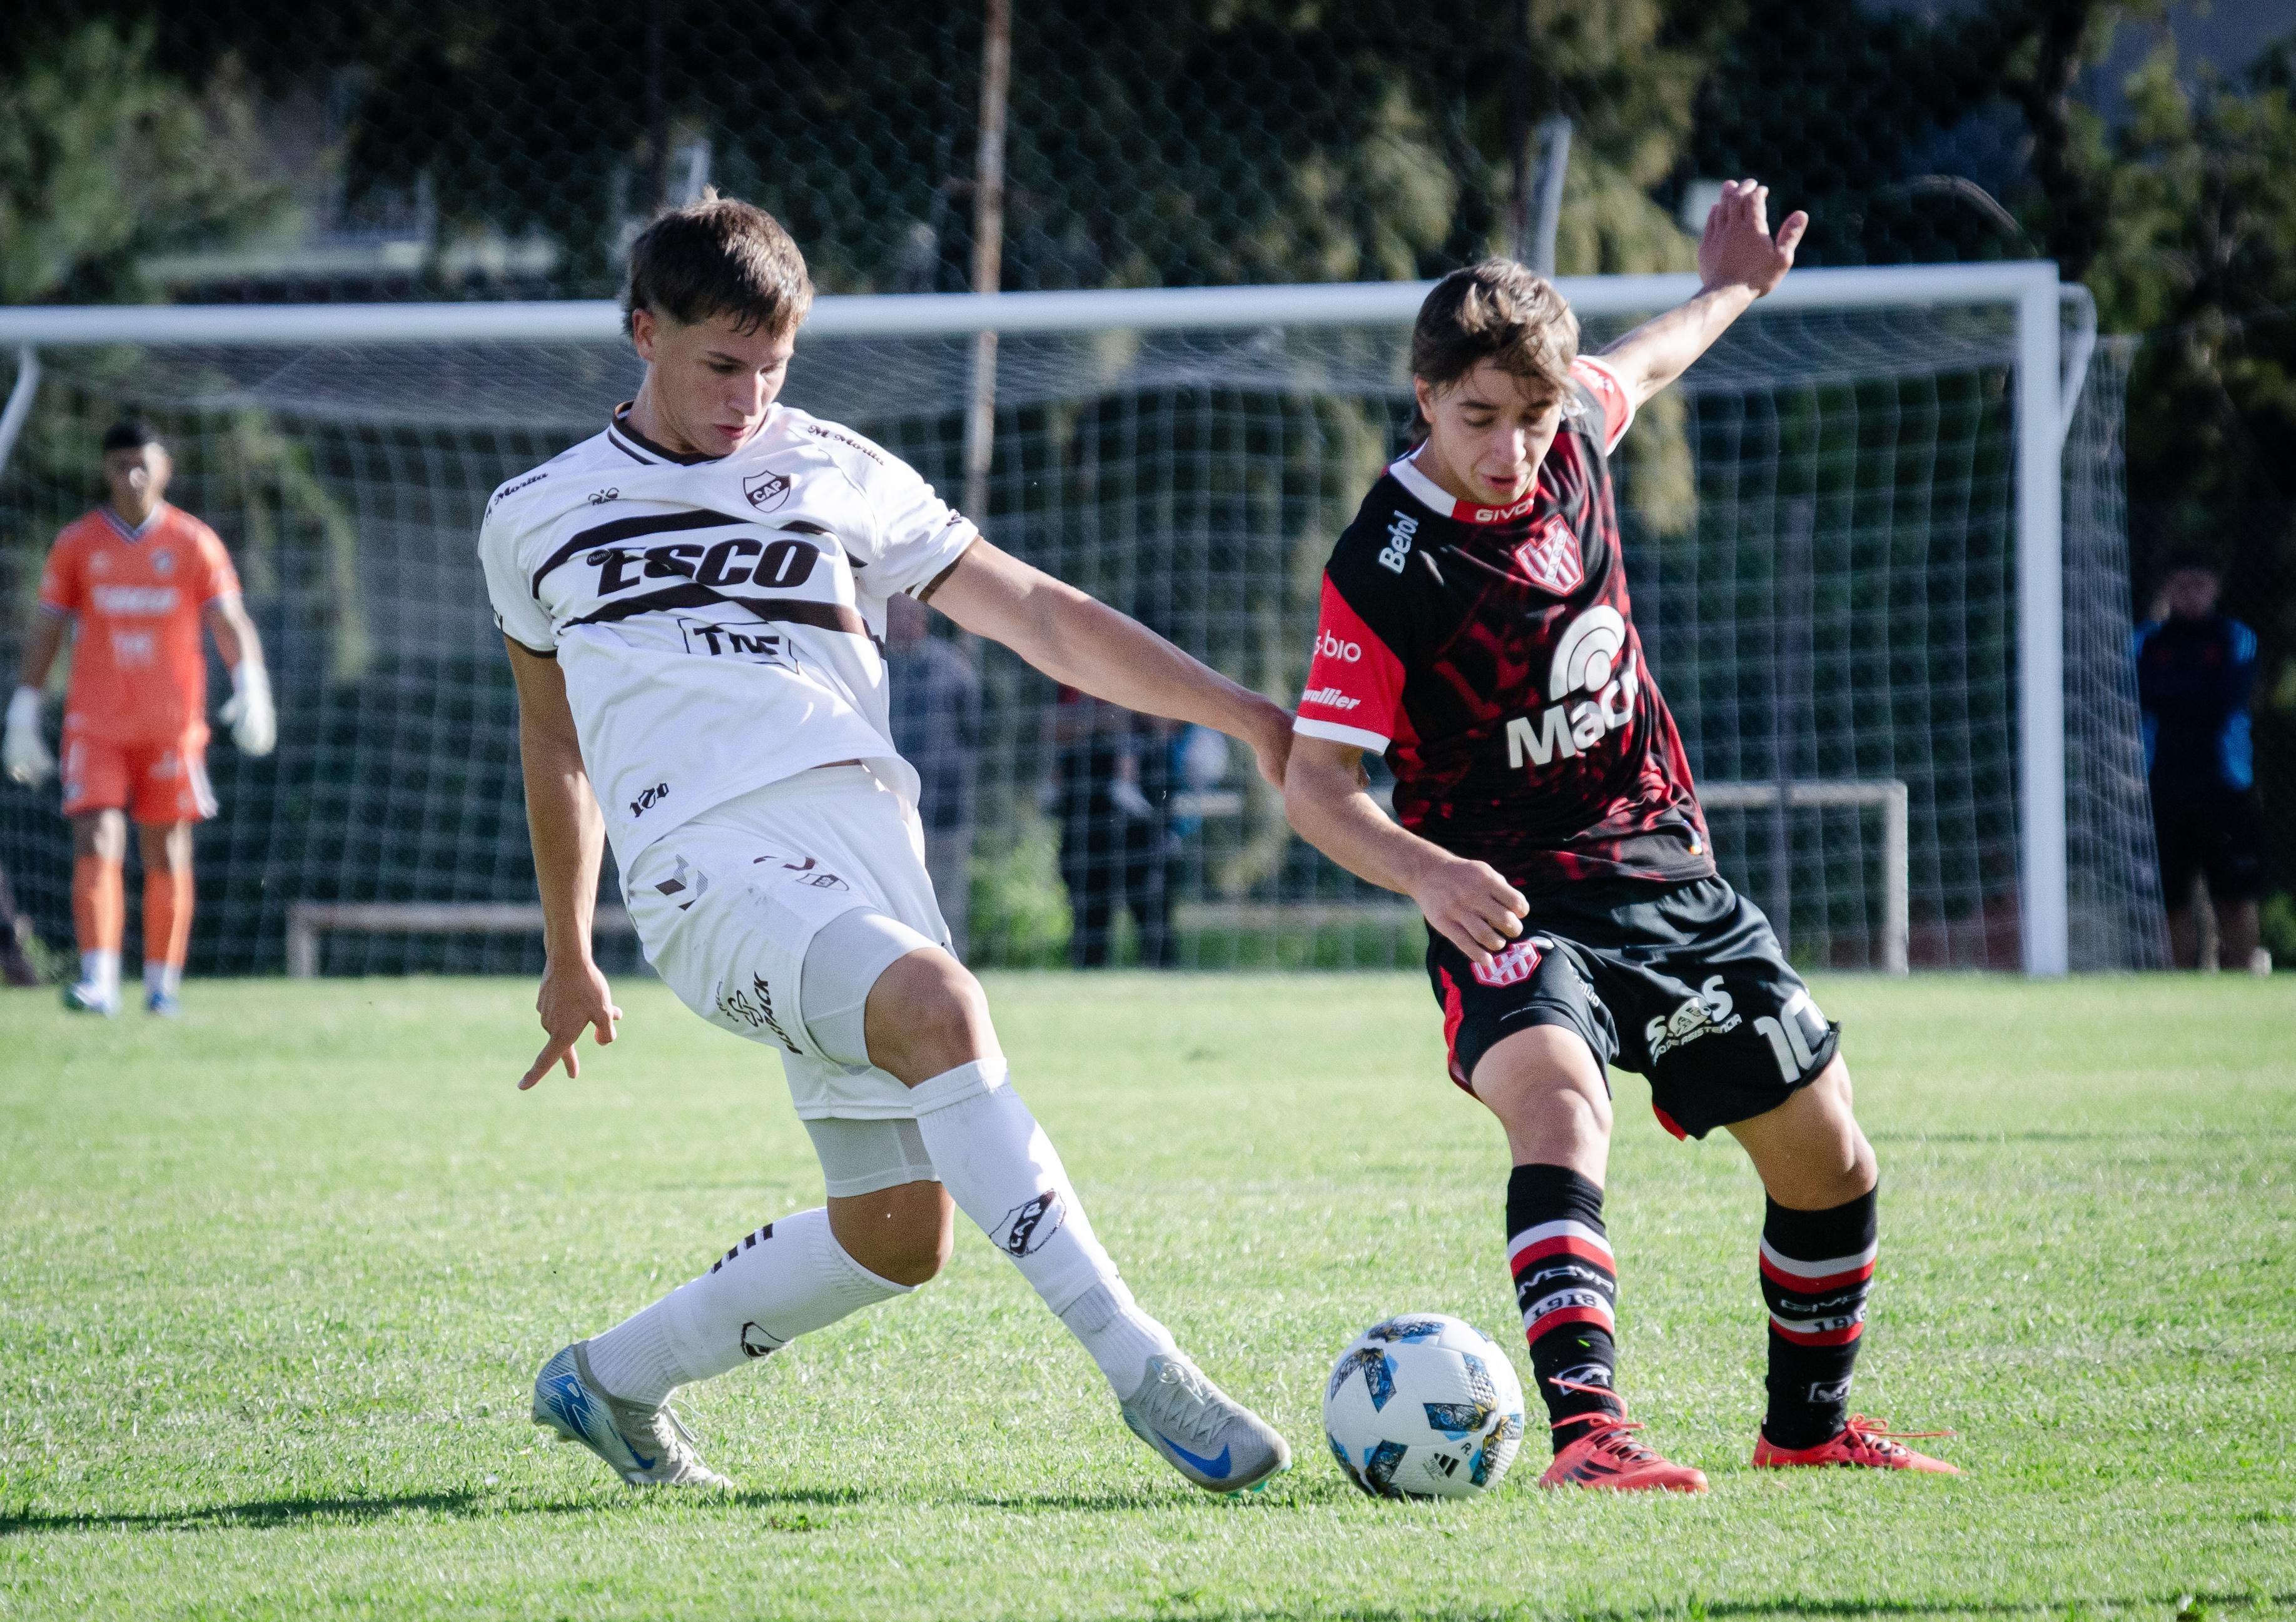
column 1847, row 1149
column 909, row 1255
column 926, row 1015
column 103, row 834
column 1587, row 1109
column 1810, row 1152
column 902, row 1234
column 1547, row 1090
column 165, row 848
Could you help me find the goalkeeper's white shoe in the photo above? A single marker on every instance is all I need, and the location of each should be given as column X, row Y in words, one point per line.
column 1203, row 1432
column 91, row 998
column 644, row 1446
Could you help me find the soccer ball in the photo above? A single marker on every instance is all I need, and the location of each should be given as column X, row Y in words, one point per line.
column 1423, row 1406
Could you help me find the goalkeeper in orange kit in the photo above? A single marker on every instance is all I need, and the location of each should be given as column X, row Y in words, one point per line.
column 136, row 578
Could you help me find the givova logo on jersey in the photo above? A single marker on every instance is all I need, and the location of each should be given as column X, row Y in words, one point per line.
column 1593, row 685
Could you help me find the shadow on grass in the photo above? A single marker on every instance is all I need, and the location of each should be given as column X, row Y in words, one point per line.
column 2047, row 1135
column 784, row 1510
column 1179, row 1608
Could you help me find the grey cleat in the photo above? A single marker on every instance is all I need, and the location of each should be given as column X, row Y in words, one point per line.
column 1201, row 1431
column 644, row 1446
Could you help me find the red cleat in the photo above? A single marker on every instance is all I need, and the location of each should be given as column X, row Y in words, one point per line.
column 1867, row 1443
column 1609, row 1457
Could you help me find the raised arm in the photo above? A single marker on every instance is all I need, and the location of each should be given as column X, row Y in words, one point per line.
column 1738, row 262
column 1086, row 644
column 569, row 841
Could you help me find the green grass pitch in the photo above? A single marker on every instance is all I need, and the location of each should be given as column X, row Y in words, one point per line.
column 274, row 1280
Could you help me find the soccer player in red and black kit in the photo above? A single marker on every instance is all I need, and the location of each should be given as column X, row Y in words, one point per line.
column 1476, row 631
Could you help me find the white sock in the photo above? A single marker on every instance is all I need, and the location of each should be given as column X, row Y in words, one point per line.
column 101, row 970
column 1120, row 1336
column 162, row 979
column 1005, row 1173
column 787, row 1278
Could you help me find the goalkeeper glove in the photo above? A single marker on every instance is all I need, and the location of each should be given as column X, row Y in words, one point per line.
column 248, row 712
column 25, row 751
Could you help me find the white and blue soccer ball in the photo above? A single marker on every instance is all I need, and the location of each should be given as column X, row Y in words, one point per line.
column 1423, row 1406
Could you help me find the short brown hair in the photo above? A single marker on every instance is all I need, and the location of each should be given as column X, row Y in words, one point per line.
column 1496, row 310
column 718, row 257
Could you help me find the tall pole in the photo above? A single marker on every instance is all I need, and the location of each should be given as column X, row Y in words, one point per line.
column 2042, row 900
column 987, row 247
column 657, row 117
column 1790, row 614
column 1553, row 165
column 1521, row 208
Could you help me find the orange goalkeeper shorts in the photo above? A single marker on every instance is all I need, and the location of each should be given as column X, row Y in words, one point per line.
column 155, row 783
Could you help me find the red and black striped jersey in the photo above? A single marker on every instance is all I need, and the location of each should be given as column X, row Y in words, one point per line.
column 1490, row 654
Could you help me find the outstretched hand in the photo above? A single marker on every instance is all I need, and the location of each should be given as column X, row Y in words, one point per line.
column 1737, row 249
column 571, row 1000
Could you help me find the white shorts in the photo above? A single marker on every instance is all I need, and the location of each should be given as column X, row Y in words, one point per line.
column 728, row 905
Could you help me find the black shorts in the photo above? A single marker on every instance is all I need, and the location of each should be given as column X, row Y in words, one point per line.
column 1682, row 983
column 2221, row 836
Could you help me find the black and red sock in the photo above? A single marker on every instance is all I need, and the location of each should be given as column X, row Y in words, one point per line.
column 1567, row 1286
column 1816, row 1267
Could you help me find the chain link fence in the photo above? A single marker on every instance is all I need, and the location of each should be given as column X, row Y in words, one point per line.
column 246, row 150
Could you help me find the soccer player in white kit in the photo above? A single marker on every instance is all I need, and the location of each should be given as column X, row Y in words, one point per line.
column 693, row 603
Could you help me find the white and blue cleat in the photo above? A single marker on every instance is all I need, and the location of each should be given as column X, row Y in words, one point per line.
column 164, row 1004
column 644, row 1446
column 1201, row 1431
column 88, row 997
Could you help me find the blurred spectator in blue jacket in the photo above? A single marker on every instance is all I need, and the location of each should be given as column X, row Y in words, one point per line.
column 2195, row 676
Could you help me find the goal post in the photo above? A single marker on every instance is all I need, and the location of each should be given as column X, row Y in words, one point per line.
column 1188, row 453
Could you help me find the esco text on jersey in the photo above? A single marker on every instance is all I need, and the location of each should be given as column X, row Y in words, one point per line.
column 779, row 565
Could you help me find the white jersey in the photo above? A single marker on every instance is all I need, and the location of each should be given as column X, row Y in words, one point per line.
column 720, row 622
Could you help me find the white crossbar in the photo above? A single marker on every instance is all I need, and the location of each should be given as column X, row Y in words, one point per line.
column 954, row 314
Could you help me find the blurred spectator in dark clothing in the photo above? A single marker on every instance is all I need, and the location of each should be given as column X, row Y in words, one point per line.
column 1112, row 800
column 935, row 713
column 16, row 967
column 2195, row 676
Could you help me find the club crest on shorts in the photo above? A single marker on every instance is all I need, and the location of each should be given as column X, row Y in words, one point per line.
column 1512, row 966
column 767, row 490
column 1550, row 558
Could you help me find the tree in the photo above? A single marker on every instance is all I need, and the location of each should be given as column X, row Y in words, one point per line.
column 104, row 160
column 2198, row 250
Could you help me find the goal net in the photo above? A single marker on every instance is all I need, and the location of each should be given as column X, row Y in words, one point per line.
column 1832, row 540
